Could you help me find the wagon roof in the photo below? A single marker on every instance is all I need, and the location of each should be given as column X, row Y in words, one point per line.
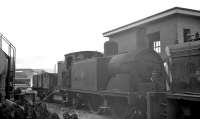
column 83, row 52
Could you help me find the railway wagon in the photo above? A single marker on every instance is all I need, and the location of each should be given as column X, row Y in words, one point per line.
column 49, row 81
column 44, row 83
column 7, row 68
column 35, row 82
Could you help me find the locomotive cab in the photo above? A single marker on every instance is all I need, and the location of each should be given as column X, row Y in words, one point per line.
column 182, row 100
column 184, row 62
column 185, row 66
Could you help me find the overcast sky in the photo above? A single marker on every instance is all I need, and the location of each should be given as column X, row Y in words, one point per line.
column 44, row 30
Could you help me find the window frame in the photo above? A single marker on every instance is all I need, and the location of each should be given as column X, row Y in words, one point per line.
column 157, row 46
column 154, row 41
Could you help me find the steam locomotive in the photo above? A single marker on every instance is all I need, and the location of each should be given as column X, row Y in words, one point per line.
column 110, row 82
column 136, row 84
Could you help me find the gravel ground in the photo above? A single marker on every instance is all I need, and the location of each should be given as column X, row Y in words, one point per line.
column 81, row 114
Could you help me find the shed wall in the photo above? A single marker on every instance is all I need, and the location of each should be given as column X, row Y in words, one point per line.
column 136, row 38
column 126, row 40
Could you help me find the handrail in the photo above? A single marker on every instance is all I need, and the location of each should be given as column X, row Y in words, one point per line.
column 9, row 44
column 6, row 40
column 11, row 53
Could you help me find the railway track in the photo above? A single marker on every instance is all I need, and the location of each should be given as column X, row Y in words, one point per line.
column 59, row 109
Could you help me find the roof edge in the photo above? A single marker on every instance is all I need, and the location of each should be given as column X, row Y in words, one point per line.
column 175, row 10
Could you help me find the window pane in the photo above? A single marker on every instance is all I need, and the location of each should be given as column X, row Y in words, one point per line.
column 158, row 43
column 156, row 46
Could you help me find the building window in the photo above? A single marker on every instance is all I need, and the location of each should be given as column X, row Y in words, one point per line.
column 156, row 46
column 186, row 35
column 154, row 41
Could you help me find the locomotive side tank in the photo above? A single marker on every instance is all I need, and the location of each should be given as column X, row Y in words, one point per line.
column 90, row 74
column 73, row 58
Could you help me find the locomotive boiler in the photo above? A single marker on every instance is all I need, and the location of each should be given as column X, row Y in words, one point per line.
column 134, row 68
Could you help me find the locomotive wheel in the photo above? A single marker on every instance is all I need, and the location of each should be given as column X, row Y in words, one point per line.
column 80, row 102
column 118, row 113
column 94, row 103
column 134, row 113
column 119, row 107
column 75, row 102
column 91, row 107
column 131, row 113
column 138, row 110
